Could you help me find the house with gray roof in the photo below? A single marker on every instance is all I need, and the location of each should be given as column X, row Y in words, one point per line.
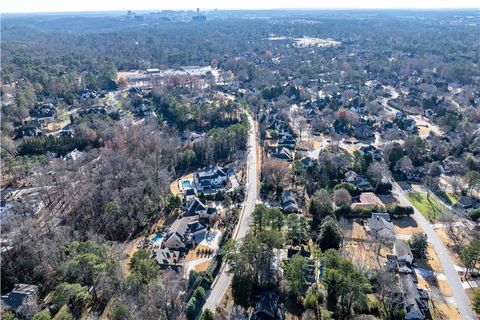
column 289, row 204
column 268, row 307
column 195, row 207
column 380, row 228
column 21, row 295
column 167, row 259
column 178, row 235
column 210, row 180
column 360, row 182
column 281, row 153
column 415, row 299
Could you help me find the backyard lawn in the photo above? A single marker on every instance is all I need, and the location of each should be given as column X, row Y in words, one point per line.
column 429, row 208
column 450, row 198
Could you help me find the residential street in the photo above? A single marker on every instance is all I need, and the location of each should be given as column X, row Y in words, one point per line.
column 459, row 295
column 223, row 280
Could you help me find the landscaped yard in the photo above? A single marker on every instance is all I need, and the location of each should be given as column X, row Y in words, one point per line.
column 430, row 208
column 449, row 197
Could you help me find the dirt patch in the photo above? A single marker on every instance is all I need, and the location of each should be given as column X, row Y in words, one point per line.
column 432, row 262
column 353, row 230
column 175, row 189
column 311, row 144
column 128, row 251
column 363, row 254
column 439, row 286
column 358, row 232
column 129, row 74
column 198, row 253
column 202, row 266
column 444, row 288
column 407, row 226
column 442, row 310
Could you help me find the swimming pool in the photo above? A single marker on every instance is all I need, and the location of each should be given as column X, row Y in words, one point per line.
column 186, row 184
column 157, row 239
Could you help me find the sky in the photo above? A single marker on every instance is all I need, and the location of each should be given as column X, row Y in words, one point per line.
column 11, row 6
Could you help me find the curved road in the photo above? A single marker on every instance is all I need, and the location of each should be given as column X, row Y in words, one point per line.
column 454, row 282
column 223, row 280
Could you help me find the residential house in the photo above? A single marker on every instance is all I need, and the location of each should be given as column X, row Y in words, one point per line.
column 449, row 166
column 268, row 307
column 93, row 110
column 380, row 228
column 413, row 174
column 167, row 259
column 179, row 235
column 35, row 123
column 375, row 152
column 196, row 227
column 26, row 131
column 281, row 153
column 44, row 114
column 360, row 182
column 210, row 180
column 415, row 300
column 281, row 127
column 189, row 194
column 292, row 251
column 363, row 132
column 464, row 205
column 87, row 94
column 45, row 111
column 289, row 204
column 143, row 110
column 21, row 296
column 368, row 200
column 307, row 161
column 287, row 141
column 402, row 259
column 195, row 207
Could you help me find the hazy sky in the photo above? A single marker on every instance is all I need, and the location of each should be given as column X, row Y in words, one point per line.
column 110, row 5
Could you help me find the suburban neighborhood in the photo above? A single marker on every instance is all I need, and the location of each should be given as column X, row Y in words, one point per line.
column 241, row 164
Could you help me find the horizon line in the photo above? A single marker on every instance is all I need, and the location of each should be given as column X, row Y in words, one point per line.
column 251, row 9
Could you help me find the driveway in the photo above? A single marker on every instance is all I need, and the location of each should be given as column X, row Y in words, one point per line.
column 223, row 280
column 454, row 282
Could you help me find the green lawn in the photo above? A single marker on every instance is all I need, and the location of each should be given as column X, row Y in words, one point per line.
column 450, row 198
column 63, row 117
column 429, row 208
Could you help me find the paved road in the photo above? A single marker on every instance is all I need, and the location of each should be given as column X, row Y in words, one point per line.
column 223, row 280
column 459, row 295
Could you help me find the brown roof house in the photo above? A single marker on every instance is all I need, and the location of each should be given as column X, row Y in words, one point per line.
column 368, row 200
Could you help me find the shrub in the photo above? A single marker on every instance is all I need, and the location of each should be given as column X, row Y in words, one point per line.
column 399, row 211
column 310, row 301
column 192, row 308
column 383, row 188
column 474, row 215
column 42, row 315
column 351, row 188
column 120, row 312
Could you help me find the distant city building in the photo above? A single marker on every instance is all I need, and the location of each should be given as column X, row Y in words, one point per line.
column 199, row 17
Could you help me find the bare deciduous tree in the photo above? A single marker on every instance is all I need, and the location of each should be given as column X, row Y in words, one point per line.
column 276, row 172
